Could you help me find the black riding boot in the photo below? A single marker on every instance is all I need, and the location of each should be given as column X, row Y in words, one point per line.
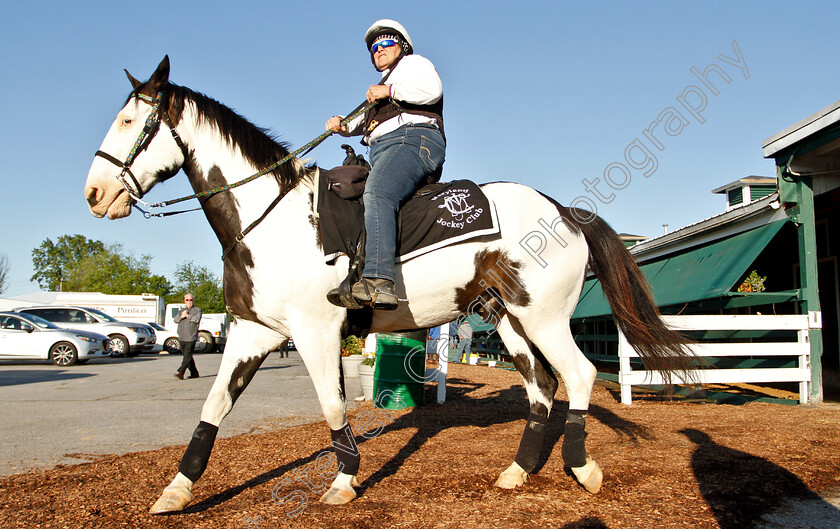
column 379, row 293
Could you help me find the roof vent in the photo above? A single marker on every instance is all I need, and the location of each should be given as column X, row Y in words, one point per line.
column 746, row 190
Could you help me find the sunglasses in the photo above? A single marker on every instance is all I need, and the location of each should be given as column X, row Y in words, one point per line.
column 385, row 43
column 188, row 299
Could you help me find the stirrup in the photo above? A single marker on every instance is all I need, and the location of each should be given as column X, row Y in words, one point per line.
column 342, row 296
column 378, row 293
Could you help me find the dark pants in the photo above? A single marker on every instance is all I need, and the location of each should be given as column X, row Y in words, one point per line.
column 187, row 349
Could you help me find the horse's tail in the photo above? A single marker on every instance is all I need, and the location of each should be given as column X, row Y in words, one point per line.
column 627, row 291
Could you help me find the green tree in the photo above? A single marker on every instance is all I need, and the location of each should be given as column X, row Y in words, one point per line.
column 4, row 273
column 204, row 285
column 53, row 262
column 114, row 272
column 76, row 263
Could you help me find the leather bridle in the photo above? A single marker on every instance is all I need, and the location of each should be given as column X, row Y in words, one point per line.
column 150, row 130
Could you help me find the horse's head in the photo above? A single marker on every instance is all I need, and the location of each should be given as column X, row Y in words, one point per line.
column 133, row 156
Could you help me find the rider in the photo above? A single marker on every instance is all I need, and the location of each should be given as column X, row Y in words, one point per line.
column 404, row 131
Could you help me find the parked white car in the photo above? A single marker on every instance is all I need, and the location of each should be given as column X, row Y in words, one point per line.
column 127, row 338
column 25, row 336
column 166, row 340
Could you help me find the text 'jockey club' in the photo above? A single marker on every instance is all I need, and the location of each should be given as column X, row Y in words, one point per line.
column 639, row 157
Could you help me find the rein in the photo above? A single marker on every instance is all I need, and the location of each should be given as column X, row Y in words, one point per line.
column 150, row 130
column 148, row 133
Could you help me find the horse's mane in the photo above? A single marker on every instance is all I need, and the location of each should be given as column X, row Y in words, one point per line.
column 256, row 144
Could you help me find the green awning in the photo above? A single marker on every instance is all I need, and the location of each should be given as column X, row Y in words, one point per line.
column 704, row 272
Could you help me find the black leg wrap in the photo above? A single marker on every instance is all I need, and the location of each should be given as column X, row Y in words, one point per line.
column 198, row 452
column 531, row 444
column 346, row 450
column 574, row 439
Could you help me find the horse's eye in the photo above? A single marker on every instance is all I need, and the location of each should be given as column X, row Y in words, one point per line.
column 126, row 122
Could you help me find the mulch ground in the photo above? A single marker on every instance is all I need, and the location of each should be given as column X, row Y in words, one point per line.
column 666, row 464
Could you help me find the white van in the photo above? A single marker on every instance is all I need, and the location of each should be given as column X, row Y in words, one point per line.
column 140, row 308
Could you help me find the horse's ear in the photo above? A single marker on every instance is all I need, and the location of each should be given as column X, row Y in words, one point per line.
column 160, row 78
column 134, row 82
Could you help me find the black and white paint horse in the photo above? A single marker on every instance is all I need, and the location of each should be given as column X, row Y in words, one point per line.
column 274, row 298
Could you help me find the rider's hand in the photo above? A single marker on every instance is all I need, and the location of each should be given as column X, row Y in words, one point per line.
column 334, row 124
column 377, row 92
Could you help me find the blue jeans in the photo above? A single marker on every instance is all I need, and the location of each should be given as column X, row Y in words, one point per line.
column 401, row 161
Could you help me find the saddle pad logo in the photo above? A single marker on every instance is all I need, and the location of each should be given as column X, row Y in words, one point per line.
column 461, row 212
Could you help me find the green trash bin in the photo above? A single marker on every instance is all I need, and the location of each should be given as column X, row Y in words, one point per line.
column 398, row 381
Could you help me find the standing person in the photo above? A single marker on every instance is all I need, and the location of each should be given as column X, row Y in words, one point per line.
column 187, row 321
column 465, row 341
column 404, row 131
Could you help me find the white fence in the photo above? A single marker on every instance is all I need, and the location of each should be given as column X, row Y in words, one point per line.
column 800, row 349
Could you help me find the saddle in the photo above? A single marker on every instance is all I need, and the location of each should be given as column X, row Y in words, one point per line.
column 437, row 215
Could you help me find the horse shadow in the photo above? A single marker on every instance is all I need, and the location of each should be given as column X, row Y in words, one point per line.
column 499, row 407
column 627, row 430
column 743, row 490
column 507, row 405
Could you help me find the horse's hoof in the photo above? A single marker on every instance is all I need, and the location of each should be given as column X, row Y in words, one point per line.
column 511, row 478
column 172, row 500
column 589, row 475
column 340, row 496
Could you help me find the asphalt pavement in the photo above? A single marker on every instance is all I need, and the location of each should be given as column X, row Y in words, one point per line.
column 52, row 415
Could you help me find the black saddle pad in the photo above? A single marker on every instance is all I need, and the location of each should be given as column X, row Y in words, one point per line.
column 436, row 216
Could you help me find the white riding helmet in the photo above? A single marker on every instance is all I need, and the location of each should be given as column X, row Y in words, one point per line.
column 388, row 26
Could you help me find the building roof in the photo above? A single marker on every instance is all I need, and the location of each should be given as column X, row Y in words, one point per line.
column 807, row 127
column 750, row 180
column 736, row 220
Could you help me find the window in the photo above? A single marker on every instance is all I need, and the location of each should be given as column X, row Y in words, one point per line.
column 54, row 315
column 77, row 316
column 14, row 324
column 62, row 315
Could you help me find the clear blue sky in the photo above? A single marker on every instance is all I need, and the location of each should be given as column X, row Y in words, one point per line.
column 543, row 93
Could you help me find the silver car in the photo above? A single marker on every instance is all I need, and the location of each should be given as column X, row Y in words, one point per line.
column 24, row 336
